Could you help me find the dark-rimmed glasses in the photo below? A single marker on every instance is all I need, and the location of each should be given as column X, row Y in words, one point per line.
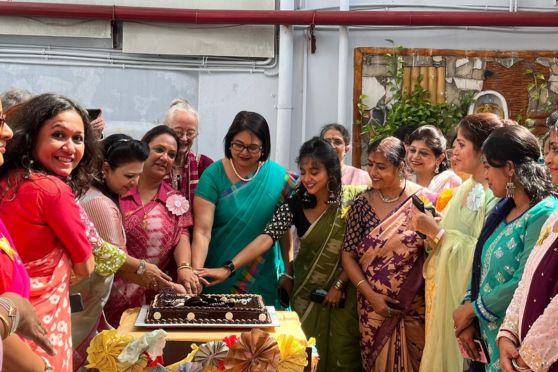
column 252, row 148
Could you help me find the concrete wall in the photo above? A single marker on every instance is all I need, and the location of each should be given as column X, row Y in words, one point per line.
column 133, row 100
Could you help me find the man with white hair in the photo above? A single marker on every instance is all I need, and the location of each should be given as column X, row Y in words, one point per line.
column 188, row 167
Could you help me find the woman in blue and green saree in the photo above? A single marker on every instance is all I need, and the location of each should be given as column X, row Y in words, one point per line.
column 514, row 173
column 235, row 198
column 317, row 210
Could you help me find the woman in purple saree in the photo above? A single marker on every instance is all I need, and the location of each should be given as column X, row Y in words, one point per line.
column 384, row 259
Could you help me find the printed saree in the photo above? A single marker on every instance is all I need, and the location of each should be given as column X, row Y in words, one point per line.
column 447, row 272
column 242, row 211
column 391, row 257
column 317, row 265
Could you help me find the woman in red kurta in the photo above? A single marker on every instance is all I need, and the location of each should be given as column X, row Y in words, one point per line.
column 52, row 149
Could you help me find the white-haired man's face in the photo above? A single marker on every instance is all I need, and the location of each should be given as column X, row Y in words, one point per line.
column 185, row 124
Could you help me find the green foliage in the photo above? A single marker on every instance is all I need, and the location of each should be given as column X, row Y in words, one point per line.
column 538, row 92
column 414, row 109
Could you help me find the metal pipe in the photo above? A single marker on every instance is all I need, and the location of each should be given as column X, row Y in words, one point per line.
column 285, row 90
column 281, row 17
column 342, row 68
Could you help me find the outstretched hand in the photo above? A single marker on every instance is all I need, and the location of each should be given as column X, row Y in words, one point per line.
column 216, row 276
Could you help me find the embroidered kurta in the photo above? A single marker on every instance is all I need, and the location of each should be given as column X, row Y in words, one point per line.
column 447, row 272
column 186, row 179
column 503, row 258
column 539, row 347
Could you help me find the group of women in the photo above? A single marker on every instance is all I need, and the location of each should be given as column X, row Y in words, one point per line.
column 380, row 283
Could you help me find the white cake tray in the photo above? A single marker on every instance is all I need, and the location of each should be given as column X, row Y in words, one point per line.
column 140, row 322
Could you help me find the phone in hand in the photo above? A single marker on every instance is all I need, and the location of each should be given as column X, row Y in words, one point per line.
column 318, row 295
column 284, row 298
column 93, row 113
column 420, row 206
column 482, row 349
column 76, row 303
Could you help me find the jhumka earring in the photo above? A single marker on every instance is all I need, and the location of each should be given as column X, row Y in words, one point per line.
column 437, row 170
column 332, row 199
column 306, row 197
column 510, row 188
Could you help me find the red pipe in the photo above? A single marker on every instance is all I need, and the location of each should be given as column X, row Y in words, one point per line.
column 280, row 17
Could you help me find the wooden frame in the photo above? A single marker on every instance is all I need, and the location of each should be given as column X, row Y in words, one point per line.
column 363, row 51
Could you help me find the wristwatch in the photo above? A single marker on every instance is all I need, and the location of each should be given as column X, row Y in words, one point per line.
column 229, row 265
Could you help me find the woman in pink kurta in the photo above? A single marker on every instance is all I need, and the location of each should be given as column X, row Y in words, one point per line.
column 156, row 220
column 53, row 144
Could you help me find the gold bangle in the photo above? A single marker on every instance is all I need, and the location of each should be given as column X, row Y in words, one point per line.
column 184, row 266
column 360, row 282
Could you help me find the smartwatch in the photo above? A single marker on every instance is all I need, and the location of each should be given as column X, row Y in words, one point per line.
column 229, row 265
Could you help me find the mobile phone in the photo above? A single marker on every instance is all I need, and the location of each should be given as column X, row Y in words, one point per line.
column 76, row 303
column 482, row 349
column 318, row 295
column 284, row 298
column 93, row 113
column 420, row 206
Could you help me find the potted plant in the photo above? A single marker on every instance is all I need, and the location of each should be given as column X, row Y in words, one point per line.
column 540, row 105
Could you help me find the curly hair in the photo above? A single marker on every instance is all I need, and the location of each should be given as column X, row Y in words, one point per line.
column 518, row 145
column 320, row 152
column 27, row 122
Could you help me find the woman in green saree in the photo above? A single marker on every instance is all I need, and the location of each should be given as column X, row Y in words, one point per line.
column 235, row 198
column 317, row 210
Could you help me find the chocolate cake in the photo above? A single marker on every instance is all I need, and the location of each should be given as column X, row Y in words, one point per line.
column 171, row 308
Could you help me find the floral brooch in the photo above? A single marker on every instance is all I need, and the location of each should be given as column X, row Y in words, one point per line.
column 177, row 204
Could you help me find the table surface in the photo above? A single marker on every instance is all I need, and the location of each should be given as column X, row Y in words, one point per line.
column 289, row 323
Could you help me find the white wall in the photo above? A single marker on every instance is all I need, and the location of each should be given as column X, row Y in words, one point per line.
column 138, row 98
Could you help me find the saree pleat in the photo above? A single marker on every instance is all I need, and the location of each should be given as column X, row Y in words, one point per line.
column 391, row 257
column 317, row 265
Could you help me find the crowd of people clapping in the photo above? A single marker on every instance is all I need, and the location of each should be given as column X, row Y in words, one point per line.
column 434, row 259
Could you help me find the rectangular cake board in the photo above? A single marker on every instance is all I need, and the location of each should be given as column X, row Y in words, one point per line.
column 140, row 322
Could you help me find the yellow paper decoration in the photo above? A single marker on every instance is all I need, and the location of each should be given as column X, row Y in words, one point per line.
column 139, row 366
column 104, row 350
column 443, row 199
column 293, row 354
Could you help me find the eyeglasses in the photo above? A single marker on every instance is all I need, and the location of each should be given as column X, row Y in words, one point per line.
column 190, row 133
column 252, row 148
column 336, row 142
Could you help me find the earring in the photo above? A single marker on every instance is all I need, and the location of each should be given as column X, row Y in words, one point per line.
column 437, row 170
column 332, row 199
column 306, row 197
column 510, row 188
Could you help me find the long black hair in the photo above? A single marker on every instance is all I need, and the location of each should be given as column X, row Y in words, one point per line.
column 27, row 122
column 516, row 144
column 321, row 152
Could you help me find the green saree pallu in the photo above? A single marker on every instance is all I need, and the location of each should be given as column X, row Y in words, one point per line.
column 318, row 265
column 242, row 211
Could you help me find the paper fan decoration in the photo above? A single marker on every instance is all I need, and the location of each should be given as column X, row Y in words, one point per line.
column 293, row 354
column 210, row 353
column 256, row 351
